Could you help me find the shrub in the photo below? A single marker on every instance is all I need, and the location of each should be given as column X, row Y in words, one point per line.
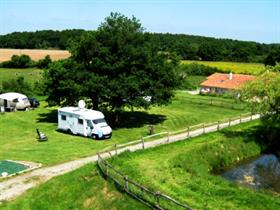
column 22, row 61
column 17, row 85
column 197, row 69
column 44, row 63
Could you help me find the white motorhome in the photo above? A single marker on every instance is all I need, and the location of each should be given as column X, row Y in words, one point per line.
column 85, row 122
column 14, row 101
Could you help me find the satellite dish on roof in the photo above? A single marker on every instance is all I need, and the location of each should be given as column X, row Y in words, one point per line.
column 81, row 104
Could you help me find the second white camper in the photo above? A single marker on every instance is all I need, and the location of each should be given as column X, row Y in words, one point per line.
column 85, row 122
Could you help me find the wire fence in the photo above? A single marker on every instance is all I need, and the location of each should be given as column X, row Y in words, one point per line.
column 147, row 196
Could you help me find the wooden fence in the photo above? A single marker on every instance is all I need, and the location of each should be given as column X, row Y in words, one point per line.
column 156, row 199
column 167, row 135
column 147, row 196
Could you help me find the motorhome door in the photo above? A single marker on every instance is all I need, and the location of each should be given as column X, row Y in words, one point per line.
column 89, row 127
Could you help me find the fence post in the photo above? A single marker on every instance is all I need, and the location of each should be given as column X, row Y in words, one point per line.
column 228, row 121
column 167, row 137
column 188, row 131
column 106, row 169
column 116, row 149
column 251, row 116
column 203, row 128
column 240, row 118
column 157, row 199
column 218, row 127
column 143, row 143
column 211, row 101
column 125, row 183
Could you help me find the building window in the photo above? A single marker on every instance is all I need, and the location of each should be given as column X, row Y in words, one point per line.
column 63, row 117
column 81, row 121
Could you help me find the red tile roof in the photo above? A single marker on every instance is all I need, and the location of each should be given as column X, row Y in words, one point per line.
column 223, row 80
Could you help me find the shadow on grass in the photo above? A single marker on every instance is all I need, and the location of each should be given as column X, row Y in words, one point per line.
column 134, row 119
column 126, row 119
column 49, row 117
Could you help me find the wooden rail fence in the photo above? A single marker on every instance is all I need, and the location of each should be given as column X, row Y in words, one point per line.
column 147, row 196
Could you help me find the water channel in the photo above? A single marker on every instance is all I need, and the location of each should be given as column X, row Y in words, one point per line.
column 261, row 173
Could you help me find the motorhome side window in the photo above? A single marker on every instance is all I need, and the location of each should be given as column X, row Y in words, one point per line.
column 15, row 100
column 81, row 121
column 63, row 117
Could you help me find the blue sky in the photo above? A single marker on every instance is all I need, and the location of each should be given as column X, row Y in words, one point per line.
column 254, row 20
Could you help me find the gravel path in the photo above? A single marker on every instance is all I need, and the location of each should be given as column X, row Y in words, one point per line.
column 15, row 186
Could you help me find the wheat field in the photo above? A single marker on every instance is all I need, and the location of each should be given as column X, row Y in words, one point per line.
column 6, row 54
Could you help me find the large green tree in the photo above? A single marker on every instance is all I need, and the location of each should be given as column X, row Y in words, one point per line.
column 264, row 96
column 115, row 66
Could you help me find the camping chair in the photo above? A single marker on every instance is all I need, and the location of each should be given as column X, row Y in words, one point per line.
column 41, row 136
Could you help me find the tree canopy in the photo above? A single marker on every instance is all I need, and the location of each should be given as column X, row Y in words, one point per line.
column 264, row 96
column 188, row 47
column 115, row 67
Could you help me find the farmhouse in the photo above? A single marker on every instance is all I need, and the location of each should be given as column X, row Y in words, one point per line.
column 220, row 83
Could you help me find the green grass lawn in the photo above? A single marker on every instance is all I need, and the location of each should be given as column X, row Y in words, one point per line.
column 235, row 67
column 30, row 75
column 18, row 136
column 80, row 189
column 183, row 170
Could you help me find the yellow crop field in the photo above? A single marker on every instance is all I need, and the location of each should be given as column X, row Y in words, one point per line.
column 6, row 54
column 234, row 67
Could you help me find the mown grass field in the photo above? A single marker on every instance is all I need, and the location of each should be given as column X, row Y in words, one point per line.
column 183, row 170
column 234, row 67
column 30, row 75
column 35, row 54
column 18, row 136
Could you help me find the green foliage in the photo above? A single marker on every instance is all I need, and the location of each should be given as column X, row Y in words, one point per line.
column 22, row 61
column 17, row 85
column 188, row 47
column 198, row 69
column 264, row 97
column 273, row 57
column 44, row 39
column 44, row 63
column 115, row 67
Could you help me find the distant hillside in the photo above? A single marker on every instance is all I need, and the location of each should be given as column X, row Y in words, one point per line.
column 188, row 47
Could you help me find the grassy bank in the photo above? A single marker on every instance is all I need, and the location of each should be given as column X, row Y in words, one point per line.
column 18, row 139
column 81, row 189
column 234, row 67
column 183, row 170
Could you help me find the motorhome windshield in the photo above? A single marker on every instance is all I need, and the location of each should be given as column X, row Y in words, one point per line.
column 97, row 121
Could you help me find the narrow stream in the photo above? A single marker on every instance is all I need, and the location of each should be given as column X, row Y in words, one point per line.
column 263, row 172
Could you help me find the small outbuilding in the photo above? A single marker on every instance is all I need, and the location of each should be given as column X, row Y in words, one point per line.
column 220, row 83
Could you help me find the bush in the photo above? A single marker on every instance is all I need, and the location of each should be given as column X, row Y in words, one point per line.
column 22, row 61
column 197, row 69
column 17, row 85
column 44, row 63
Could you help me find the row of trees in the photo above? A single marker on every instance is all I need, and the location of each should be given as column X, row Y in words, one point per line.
column 186, row 46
